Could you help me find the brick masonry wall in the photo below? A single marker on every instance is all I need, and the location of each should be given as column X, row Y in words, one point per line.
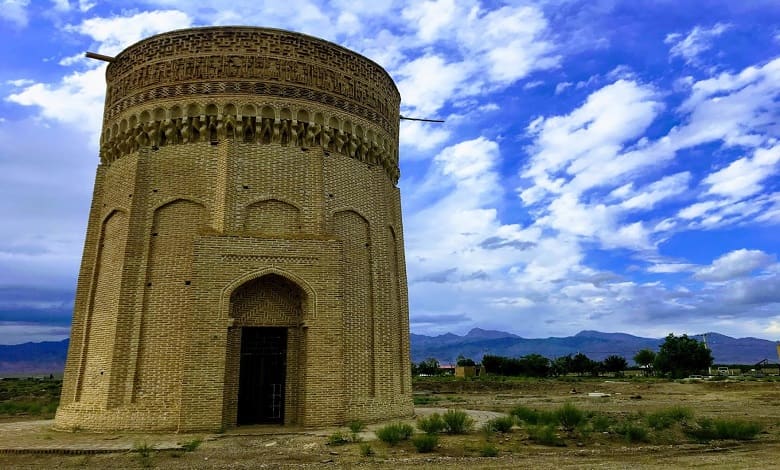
column 214, row 212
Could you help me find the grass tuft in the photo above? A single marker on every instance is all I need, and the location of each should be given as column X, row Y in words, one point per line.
column 457, row 422
column 533, row 417
column 664, row 419
column 425, row 442
column 545, row 435
column 488, row 450
column 501, row 424
column 338, row 438
column 711, row 429
column 633, row 432
column 569, row 416
column 431, row 424
column 366, row 450
column 394, row 433
column 190, row 446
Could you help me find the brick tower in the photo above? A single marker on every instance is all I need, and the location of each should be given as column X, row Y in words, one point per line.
column 244, row 257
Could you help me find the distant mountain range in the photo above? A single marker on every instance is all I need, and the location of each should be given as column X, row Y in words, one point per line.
column 596, row 345
column 33, row 358
column 49, row 357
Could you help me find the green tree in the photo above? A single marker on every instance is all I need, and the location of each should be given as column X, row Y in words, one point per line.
column 429, row 366
column 582, row 364
column 561, row 365
column 615, row 364
column 645, row 358
column 680, row 356
column 535, row 365
column 463, row 361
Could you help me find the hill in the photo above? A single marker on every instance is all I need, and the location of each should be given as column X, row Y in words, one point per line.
column 33, row 358
column 596, row 345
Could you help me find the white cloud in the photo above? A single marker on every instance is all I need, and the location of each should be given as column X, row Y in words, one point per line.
column 495, row 48
column 587, row 142
column 665, row 268
column 743, row 177
column 116, row 33
column 15, row 11
column 78, row 98
column 428, row 82
column 666, row 187
column 431, row 18
column 61, row 5
column 422, row 136
column 561, row 87
column 735, row 264
column 689, row 47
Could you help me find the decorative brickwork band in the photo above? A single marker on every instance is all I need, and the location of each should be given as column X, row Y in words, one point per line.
column 262, row 125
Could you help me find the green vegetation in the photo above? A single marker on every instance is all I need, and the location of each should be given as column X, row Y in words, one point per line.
column 664, row 419
column 431, row 424
column 457, row 422
column 488, row 450
column 569, row 416
column 681, row 356
column 144, row 451
column 633, row 432
column 190, row 446
column 356, row 426
column 531, row 416
column 614, row 364
column 425, row 442
column 710, row 429
column 338, row 438
column 501, row 424
column 366, row 450
column 31, row 397
column 394, row 433
column 422, row 400
column 545, row 435
column 645, row 358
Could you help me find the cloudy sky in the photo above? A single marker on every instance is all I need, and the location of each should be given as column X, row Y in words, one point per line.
column 607, row 165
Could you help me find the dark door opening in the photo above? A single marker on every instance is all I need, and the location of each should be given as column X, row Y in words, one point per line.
column 261, row 375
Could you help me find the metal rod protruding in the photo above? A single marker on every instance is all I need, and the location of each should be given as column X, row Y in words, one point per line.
column 404, row 118
column 93, row 55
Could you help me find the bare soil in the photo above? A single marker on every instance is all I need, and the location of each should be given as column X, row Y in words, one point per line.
column 25, row 444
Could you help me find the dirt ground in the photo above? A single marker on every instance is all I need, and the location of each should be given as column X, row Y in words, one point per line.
column 33, row 444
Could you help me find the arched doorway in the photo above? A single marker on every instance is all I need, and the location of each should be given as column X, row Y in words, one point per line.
column 264, row 350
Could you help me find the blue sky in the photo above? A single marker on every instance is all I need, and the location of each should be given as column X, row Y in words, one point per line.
column 606, row 165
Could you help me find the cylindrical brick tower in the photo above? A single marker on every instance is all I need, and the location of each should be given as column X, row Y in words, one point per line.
column 244, row 257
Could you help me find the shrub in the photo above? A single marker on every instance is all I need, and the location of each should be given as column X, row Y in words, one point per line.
column 600, row 422
column 488, row 450
column 569, row 416
column 338, row 438
column 664, row 419
column 356, row 426
column 190, row 446
column 394, row 433
column 457, row 422
column 500, row 424
column 425, row 442
column 144, row 452
column 431, row 424
column 709, row 429
column 531, row 416
column 545, row 435
column 366, row 450
column 633, row 432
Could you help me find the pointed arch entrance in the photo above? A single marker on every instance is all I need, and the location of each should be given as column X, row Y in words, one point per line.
column 264, row 352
